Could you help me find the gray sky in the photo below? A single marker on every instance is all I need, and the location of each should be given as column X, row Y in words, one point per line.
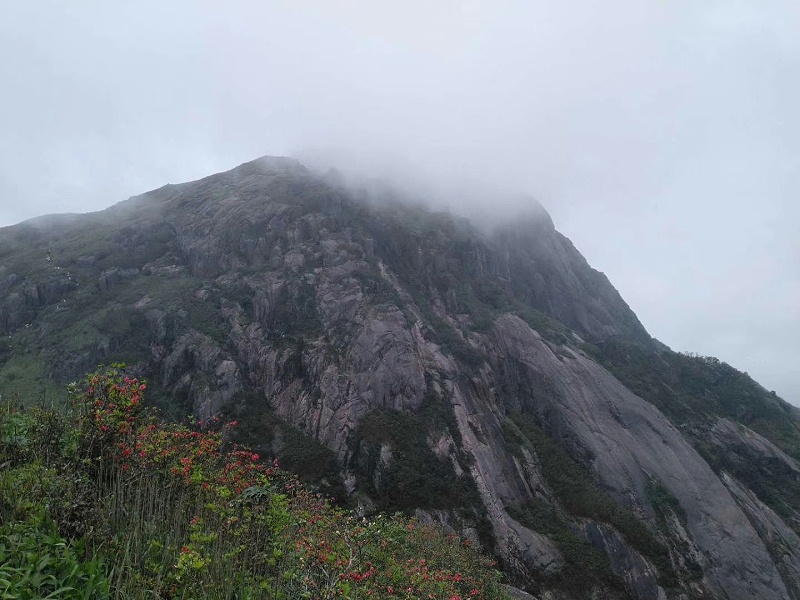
column 663, row 137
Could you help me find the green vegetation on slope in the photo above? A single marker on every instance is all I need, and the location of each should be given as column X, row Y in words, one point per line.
column 694, row 392
column 689, row 388
column 106, row 502
column 578, row 494
column 414, row 477
column 262, row 430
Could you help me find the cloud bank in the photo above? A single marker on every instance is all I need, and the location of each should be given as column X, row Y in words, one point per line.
column 664, row 138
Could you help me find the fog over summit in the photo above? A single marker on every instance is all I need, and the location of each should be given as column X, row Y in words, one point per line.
column 664, row 140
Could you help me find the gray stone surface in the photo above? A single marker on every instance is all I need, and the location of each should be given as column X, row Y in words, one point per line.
column 325, row 309
column 630, row 441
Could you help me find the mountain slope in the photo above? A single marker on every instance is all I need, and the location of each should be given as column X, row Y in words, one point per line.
column 406, row 360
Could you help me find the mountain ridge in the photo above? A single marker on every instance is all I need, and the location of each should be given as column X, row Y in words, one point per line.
column 276, row 295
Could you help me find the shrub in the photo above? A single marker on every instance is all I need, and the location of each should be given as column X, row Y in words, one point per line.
column 172, row 511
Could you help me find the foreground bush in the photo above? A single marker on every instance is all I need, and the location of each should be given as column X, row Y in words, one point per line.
column 107, row 502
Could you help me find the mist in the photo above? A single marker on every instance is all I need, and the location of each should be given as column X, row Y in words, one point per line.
column 663, row 138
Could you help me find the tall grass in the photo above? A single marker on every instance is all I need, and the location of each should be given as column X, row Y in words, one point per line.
column 127, row 507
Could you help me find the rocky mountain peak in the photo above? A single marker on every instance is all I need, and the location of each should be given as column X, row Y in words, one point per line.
column 404, row 359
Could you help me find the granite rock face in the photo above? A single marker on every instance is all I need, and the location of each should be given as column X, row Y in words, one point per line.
column 630, row 441
column 409, row 345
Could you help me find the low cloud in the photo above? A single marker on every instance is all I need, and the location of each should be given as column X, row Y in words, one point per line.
column 664, row 140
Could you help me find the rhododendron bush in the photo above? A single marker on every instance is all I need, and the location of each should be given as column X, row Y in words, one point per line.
column 163, row 510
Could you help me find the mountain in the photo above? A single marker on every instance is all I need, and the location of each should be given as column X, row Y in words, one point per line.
column 406, row 359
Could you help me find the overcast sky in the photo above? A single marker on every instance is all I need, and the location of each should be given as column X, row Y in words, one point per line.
column 663, row 137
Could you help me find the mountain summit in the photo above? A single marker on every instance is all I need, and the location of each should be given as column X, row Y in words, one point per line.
column 404, row 359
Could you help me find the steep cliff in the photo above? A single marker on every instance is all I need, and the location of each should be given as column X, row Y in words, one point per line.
column 405, row 360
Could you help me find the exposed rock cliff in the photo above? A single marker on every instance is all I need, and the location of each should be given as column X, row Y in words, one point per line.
column 406, row 360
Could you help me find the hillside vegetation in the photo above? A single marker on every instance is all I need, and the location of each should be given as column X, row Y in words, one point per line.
column 697, row 393
column 106, row 501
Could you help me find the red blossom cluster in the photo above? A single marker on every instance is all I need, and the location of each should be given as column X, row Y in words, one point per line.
column 110, row 404
column 324, row 551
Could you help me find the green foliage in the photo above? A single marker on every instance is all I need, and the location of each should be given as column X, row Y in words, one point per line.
column 666, row 507
column 584, row 568
column 452, row 341
column 36, row 563
column 414, row 476
column 23, row 379
column 579, row 494
column 694, row 391
column 774, row 481
column 14, row 436
column 264, row 431
column 550, row 329
column 690, row 389
column 122, row 503
column 662, row 500
column 94, row 309
column 540, row 516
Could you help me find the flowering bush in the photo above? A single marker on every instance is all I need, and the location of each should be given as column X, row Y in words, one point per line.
column 108, row 407
column 179, row 514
